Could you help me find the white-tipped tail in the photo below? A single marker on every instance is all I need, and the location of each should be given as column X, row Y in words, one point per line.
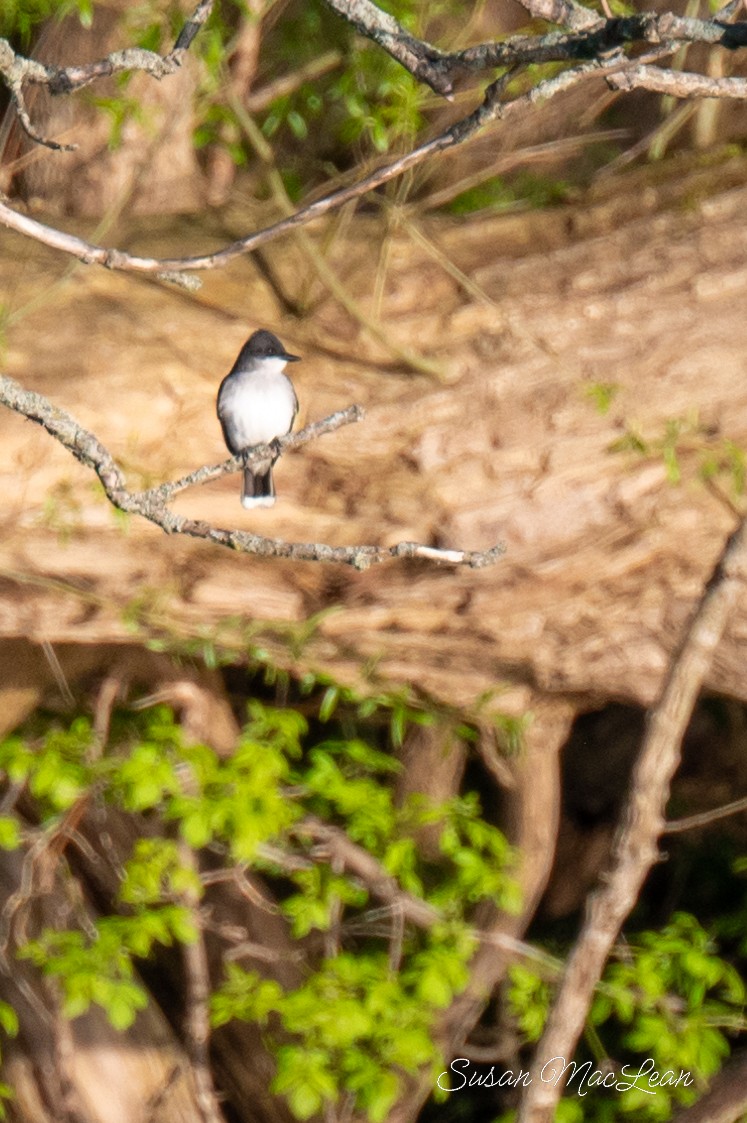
column 258, row 489
column 257, row 500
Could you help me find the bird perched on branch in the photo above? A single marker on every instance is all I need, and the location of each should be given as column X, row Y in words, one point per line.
column 257, row 404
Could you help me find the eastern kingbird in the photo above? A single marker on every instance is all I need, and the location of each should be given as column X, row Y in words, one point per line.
column 256, row 404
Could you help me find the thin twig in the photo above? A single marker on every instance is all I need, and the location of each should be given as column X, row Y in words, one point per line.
column 373, row 875
column 677, row 83
column 705, row 818
column 15, row 70
column 491, row 108
column 259, row 100
column 162, row 493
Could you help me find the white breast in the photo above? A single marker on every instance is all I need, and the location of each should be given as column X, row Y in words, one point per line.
column 256, row 407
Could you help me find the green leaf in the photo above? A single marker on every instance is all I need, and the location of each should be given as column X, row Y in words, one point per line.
column 329, row 703
column 8, row 1019
column 10, row 833
column 602, row 395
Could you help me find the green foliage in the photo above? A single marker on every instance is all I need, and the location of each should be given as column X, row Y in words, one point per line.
column 675, row 998
column 9, row 1027
column 18, row 18
column 382, row 102
column 500, row 193
column 684, row 439
column 59, row 775
column 510, row 731
column 99, row 967
column 665, row 1004
column 726, row 460
column 370, row 101
column 10, row 833
column 120, row 111
column 353, row 1026
column 362, row 1016
column 602, row 395
column 529, row 998
column 344, row 96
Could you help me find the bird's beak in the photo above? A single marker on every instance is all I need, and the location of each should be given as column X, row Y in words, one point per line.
column 291, row 358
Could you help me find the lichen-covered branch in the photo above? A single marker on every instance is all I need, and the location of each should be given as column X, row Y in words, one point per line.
column 420, row 58
column 152, row 504
column 16, row 69
column 595, row 44
column 677, row 83
column 591, row 36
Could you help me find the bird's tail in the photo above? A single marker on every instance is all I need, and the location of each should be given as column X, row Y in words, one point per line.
column 258, row 489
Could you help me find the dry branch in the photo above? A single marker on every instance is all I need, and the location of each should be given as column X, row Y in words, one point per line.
column 420, row 58
column 335, row 845
column 636, row 849
column 15, row 70
column 705, row 818
column 198, row 990
column 591, row 36
column 596, row 42
column 463, row 130
column 151, row 504
column 680, row 84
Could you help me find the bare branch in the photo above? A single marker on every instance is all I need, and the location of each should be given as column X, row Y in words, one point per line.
column 337, row 846
column 437, row 68
column 65, row 79
column 635, row 849
column 162, row 493
column 705, row 818
column 15, row 70
column 491, row 108
column 591, row 36
column 565, row 12
column 197, row 20
column 23, row 116
column 415, row 55
column 678, row 83
column 151, row 505
column 198, row 992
